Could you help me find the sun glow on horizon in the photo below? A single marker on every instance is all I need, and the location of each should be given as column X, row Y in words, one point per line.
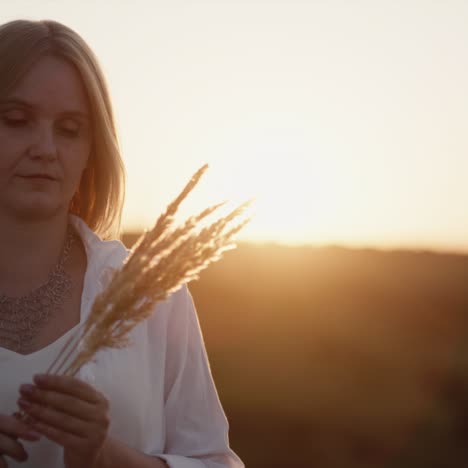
column 345, row 121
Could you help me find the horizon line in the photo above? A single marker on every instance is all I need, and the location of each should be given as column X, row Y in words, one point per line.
column 437, row 248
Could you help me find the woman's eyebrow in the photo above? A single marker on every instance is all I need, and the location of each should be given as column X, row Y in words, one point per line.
column 13, row 101
column 16, row 102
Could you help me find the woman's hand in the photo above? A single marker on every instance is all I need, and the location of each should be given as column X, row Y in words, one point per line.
column 69, row 412
column 11, row 429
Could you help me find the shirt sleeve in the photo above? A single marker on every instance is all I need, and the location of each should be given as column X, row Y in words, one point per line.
column 195, row 423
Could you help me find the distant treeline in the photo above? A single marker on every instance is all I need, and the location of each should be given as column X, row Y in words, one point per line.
column 334, row 357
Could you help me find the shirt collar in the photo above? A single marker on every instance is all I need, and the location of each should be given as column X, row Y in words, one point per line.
column 103, row 257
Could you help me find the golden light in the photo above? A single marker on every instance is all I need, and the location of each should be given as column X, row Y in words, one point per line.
column 297, row 193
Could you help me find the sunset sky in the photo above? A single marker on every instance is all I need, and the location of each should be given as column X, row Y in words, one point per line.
column 347, row 120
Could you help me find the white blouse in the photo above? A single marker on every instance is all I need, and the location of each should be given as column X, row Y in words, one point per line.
column 163, row 400
column 18, row 369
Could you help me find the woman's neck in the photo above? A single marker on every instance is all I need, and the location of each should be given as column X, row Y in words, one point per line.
column 29, row 250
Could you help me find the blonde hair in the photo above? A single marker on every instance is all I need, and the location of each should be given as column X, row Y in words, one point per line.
column 99, row 198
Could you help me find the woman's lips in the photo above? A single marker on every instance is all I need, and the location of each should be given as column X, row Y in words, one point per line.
column 38, row 177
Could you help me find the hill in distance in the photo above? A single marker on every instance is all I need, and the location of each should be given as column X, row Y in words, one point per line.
column 349, row 357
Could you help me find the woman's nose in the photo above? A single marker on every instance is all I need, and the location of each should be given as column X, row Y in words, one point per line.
column 44, row 144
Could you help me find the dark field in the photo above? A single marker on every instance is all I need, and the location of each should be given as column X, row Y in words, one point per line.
column 330, row 357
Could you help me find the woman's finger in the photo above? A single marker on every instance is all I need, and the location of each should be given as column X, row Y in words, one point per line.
column 12, row 448
column 61, row 401
column 63, row 438
column 12, row 426
column 69, row 385
column 54, row 418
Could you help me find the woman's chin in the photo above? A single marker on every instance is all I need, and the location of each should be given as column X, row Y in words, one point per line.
column 35, row 210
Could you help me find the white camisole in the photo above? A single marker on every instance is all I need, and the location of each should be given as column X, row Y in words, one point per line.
column 17, row 369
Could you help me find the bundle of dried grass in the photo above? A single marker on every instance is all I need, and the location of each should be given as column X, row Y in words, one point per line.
column 162, row 260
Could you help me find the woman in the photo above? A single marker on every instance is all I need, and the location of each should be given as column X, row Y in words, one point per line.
column 153, row 404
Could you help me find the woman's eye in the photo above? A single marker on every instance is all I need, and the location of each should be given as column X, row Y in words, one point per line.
column 15, row 118
column 70, row 129
column 70, row 132
column 15, row 122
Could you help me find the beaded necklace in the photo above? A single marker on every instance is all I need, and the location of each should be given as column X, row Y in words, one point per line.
column 21, row 318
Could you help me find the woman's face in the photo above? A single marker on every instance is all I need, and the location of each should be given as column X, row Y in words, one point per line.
column 45, row 141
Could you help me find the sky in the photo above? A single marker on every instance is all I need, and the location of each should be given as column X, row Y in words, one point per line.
column 345, row 120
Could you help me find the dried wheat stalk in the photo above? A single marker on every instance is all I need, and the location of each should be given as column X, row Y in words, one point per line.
column 162, row 260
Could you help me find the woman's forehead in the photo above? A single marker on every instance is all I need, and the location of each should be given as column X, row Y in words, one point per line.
column 51, row 84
